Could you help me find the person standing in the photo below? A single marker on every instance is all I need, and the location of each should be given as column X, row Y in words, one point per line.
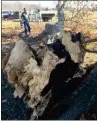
column 25, row 18
column 38, row 15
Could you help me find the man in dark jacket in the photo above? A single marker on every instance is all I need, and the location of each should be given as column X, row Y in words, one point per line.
column 25, row 18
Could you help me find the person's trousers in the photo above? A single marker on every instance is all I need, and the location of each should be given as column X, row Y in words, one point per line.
column 27, row 27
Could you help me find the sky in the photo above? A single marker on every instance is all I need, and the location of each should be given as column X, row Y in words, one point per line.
column 49, row 4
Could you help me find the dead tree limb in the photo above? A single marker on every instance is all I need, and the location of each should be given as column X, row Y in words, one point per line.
column 91, row 40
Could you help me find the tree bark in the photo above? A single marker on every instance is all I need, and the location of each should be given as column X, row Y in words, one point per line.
column 61, row 18
column 83, row 99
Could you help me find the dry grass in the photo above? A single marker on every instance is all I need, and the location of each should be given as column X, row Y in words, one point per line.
column 90, row 58
column 10, row 27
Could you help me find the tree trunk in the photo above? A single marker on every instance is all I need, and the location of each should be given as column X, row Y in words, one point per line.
column 61, row 18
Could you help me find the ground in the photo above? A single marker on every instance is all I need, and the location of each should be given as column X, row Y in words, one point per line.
column 12, row 108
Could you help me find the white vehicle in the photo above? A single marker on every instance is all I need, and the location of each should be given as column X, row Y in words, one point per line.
column 33, row 16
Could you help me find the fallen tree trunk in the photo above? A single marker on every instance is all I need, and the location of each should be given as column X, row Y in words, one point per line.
column 41, row 74
column 76, row 102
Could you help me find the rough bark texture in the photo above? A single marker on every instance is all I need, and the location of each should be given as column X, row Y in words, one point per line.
column 84, row 98
column 46, row 75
